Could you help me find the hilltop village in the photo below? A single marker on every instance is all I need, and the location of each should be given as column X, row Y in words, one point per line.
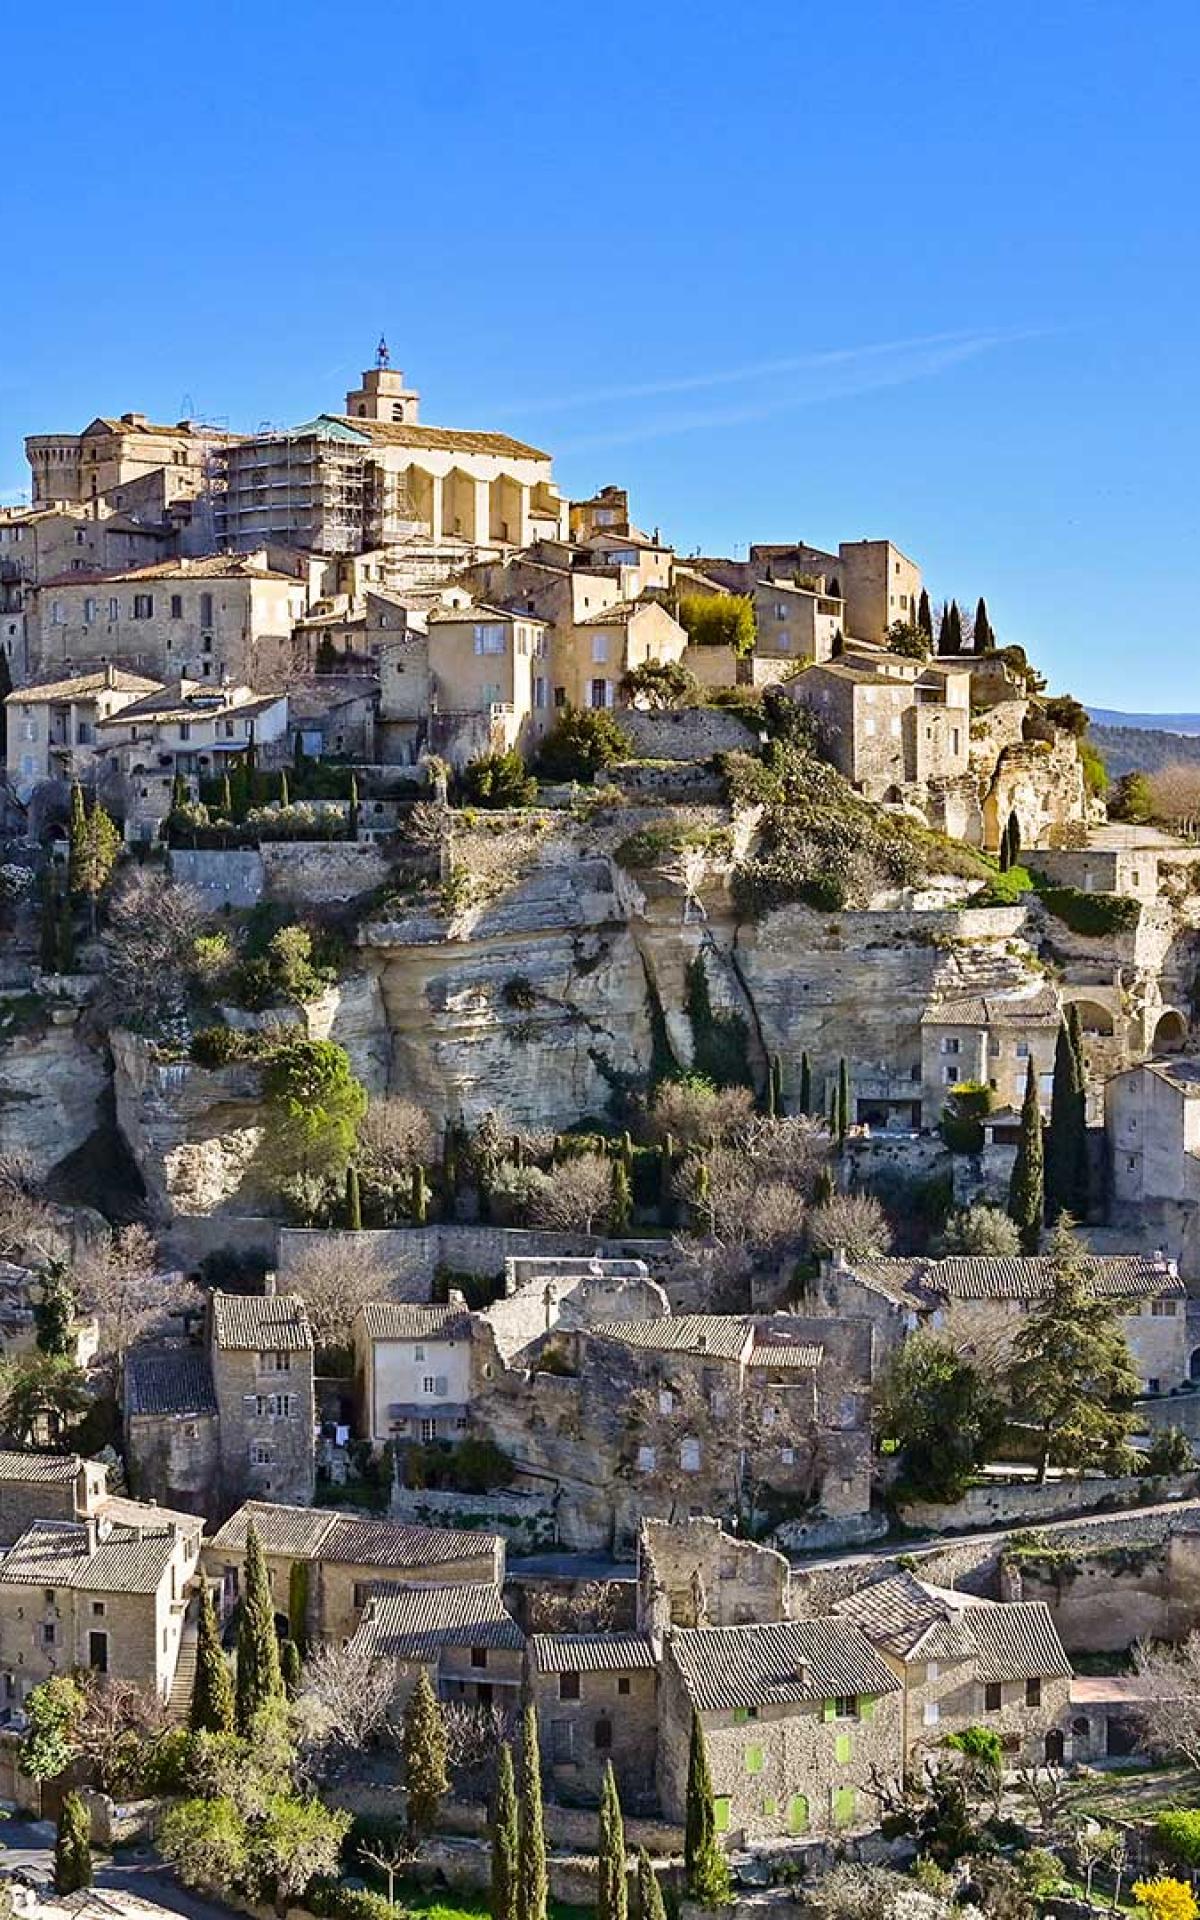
column 599, row 1259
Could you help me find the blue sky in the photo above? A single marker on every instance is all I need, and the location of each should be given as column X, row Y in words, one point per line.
column 928, row 270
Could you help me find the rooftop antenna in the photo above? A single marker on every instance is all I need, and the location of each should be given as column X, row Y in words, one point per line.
column 382, row 357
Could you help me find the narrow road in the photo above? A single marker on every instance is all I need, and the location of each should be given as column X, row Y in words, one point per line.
column 29, row 1844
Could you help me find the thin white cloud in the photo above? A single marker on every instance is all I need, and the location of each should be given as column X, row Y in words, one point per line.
column 824, row 378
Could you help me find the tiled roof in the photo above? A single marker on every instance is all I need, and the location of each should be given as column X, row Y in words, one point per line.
column 902, row 1616
column 48, row 1469
column 144, row 1513
column 396, row 1320
column 387, row 433
column 896, row 1280
column 1040, row 1009
column 272, row 1322
column 591, row 1652
column 785, row 1660
column 169, row 1380
column 213, row 566
column 319, row 1533
column 484, row 610
column 415, row 1623
column 78, row 685
column 1124, row 1276
column 386, row 1543
column 1016, row 1640
column 618, row 615
column 724, row 1336
column 193, row 700
column 804, row 1355
column 57, row 1553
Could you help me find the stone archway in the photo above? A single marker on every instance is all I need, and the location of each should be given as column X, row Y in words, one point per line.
column 1170, row 1032
column 1093, row 1018
column 1194, row 1365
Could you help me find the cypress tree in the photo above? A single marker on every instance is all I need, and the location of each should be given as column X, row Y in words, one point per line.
column 298, row 1605
column 1026, row 1193
column 956, row 635
column 73, row 1846
column 532, row 1876
column 925, row 615
column 77, row 834
column 843, row 1101
column 418, row 1204
column 6, row 687
column 612, row 1890
column 666, row 1174
column 805, row 1084
column 284, row 796
column 212, row 1689
column 704, row 1863
column 620, row 1202
column 299, row 764
column 650, row 1898
column 503, row 1902
column 777, row 1077
column 1081, row 1194
column 423, row 1743
column 226, row 796
column 1066, row 1145
column 179, row 793
column 943, row 637
column 48, row 930
column 289, row 1667
column 985, row 639
column 353, row 1201
column 66, row 932
column 259, row 1679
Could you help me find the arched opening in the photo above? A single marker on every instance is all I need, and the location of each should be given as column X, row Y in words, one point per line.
column 1194, row 1365
column 1170, row 1033
column 893, row 797
column 1093, row 1018
column 1055, row 1747
column 1014, row 837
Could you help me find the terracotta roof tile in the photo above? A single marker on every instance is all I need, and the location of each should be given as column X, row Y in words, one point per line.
column 272, row 1322
column 416, row 1623
column 779, row 1662
column 169, row 1380
column 592, row 1652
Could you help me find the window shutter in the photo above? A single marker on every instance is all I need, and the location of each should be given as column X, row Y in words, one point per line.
column 828, row 1709
column 249, row 1403
column 440, row 1387
column 866, row 1709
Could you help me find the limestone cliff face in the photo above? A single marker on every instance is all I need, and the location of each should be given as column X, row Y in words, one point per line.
column 52, row 1085
column 194, row 1133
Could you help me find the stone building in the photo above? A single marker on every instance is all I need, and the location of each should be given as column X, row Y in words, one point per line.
column 888, row 723
column 189, row 729
column 100, row 1593
column 795, row 1715
column 980, row 1302
column 348, row 1556
column 691, row 1573
column 463, row 1637
column 491, row 667
column 988, row 1039
column 47, row 1486
column 261, row 1354
column 596, row 1701
column 224, row 617
column 1152, row 1129
column 54, row 726
column 794, row 621
column 966, row 1662
column 413, row 1371
column 81, row 468
column 878, row 584
column 172, row 1427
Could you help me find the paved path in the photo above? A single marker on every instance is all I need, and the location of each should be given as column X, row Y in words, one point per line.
column 29, row 1844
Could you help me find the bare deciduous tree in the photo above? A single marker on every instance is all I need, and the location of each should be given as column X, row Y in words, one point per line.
column 1175, row 796
column 1168, row 1717
column 27, row 1230
column 149, row 948
column 854, row 1222
column 694, row 1113
column 396, row 1135
column 335, row 1276
column 122, row 1282
column 391, row 1858
column 474, row 1736
column 343, row 1702
column 119, row 1721
column 575, row 1196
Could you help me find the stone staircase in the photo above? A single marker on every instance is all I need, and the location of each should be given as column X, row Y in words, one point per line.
column 179, row 1701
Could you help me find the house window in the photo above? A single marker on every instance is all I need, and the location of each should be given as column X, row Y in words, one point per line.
column 689, row 1456
column 646, row 1458
column 845, row 1807
column 185, row 729
column 666, row 1401
column 56, row 613
column 721, row 1813
column 932, row 1713
column 602, row 1734
column 479, row 1656
column 428, row 1430
column 49, row 1633
column 541, row 691
column 89, row 611
column 98, row 1651
column 562, row 1742
column 568, row 1686
column 143, row 606
column 489, row 639
column 1033, row 1691
column 993, row 1698
column 600, row 693
column 754, row 1759
column 599, row 649
column 206, row 609
column 362, row 1593
column 845, row 1707
column 418, row 1353
column 261, row 1454
column 950, row 1075
column 114, row 609
column 177, row 606
column 950, row 1045
column 622, row 1683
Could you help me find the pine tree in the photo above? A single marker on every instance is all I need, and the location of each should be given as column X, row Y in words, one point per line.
column 612, row 1890
column 985, row 639
column 212, row 1689
column 73, row 1846
column 353, row 1201
column 925, row 615
column 1026, row 1192
column 259, row 1679
column 54, row 1313
column 805, row 1084
column 532, row 1875
column 418, row 1204
column 649, row 1893
column 503, row 1902
column 423, row 1744
column 284, row 797
column 843, row 1102
column 94, row 851
column 620, row 1202
column 1066, row 1144
column 704, row 1863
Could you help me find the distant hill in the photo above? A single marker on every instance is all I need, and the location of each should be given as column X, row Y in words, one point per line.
column 1150, row 722
column 1131, row 747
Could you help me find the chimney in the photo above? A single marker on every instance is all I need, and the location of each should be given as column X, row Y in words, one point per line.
column 270, row 1283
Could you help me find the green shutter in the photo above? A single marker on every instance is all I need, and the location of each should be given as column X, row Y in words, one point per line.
column 754, row 1759
column 845, row 1748
column 845, row 1806
column 797, row 1814
column 721, row 1813
column 770, row 1807
column 866, row 1709
column 740, row 1716
column 828, row 1709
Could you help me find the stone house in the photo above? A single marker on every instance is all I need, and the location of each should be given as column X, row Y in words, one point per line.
column 591, row 657
column 53, row 727
column 81, row 468
column 988, row 1039
column 795, row 1713
column 172, row 1427
column 1152, row 1129
column 493, row 665
column 348, row 1557
column 888, row 723
column 965, row 1661
column 99, row 1593
column 980, row 1302
column 877, row 582
column 596, row 1696
column 643, row 561
column 412, row 1369
column 797, row 622
column 229, row 616
column 691, row 1573
column 189, row 729
column 47, row 1486
column 261, row 1356
column 463, row 1636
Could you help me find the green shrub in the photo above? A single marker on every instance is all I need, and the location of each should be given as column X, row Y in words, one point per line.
column 1178, row 1833
column 1095, row 915
column 473, row 1466
column 221, row 1046
column 583, row 741
column 718, row 620
column 1004, row 889
column 962, row 1117
column 499, row 780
